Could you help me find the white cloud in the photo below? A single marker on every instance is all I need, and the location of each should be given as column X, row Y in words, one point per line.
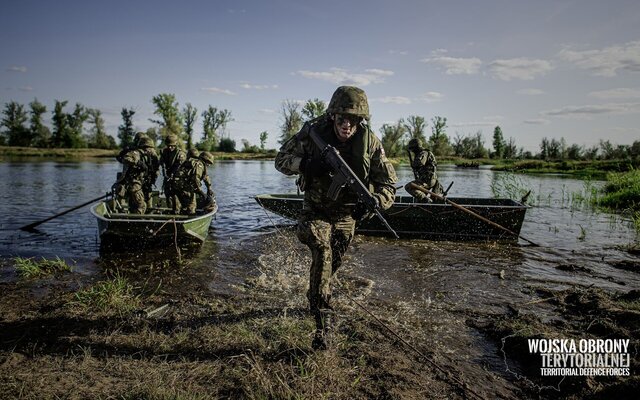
column 392, row 100
column 530, row 92
column 472, row 124
column 519, row 68
column 382, row 72
column 247, row 85
column 607, row 61
column 454, row 66
column 341, row 76
column 537, row 121
column 493, row 118
column 26, row 88
column 586, row 110
column 431, row 97
column 15, row 68
column 398, row 52
column 618, row 93
column 218, row 90
column 267, row 111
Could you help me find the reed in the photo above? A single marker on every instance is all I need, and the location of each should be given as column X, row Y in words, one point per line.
column 30, row 268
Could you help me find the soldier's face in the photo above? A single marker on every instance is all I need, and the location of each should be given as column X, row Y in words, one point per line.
column 345, row 126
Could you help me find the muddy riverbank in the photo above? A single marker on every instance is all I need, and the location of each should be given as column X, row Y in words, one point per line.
column 232, row 322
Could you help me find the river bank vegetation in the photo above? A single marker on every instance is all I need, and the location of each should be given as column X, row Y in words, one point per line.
column 24, row 133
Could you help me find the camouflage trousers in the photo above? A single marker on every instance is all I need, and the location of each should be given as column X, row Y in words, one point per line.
column 435, row 187
column 187, row 202
column 171, row 194
column 137, row 200
column 328, row 238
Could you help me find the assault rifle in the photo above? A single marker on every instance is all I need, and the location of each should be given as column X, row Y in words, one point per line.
column 343, row 176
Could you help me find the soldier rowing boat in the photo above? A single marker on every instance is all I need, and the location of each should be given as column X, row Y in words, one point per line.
column 158, row 225
column 436, row 220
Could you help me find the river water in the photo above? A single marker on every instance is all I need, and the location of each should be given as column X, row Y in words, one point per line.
column 432, row 282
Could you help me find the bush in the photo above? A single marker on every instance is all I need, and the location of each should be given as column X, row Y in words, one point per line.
column 227, row 145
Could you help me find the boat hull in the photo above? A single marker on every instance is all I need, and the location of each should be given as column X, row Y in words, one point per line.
column 155, row 227
column 434, row 221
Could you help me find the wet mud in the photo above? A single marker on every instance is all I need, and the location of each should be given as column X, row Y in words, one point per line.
column 230, row 320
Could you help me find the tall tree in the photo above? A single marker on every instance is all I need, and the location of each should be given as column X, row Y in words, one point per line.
column 190, row 115
column 39, row 132
column 498, row 143
column 312, row 109
column 263, row 140
column 14, row 119
column 415, row 127
column 510, row 148
column 125, row 131
column 98, row 137
column 292, row 120
column 167, row 109
column 76, row 120
column 213, row 121
column 392, row 138
column 439, row 141
column 60, row 124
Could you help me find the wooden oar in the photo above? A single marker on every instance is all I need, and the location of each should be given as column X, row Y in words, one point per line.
column 34, row 224
column 480, row 217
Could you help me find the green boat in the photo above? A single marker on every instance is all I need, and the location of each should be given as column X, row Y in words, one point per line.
column 158, row 225
column 435, row 221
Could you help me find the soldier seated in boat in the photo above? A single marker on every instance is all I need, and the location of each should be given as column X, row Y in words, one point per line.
column 140, row 170
column 424, row 167
column 188, row 180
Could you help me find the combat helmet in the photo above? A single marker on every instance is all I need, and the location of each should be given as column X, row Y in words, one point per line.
column 138, row 138
column 349, row 100
column 193, row 153
column 146, row 141
column 414, row 144
column 171, row 140
column 206, row 157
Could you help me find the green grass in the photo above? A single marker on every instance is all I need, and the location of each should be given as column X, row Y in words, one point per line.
column 116, row 295
column 622, row 191
column 30, row 268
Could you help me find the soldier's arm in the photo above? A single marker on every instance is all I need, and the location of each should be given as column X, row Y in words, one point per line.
column 382, row 175
column 291, row 154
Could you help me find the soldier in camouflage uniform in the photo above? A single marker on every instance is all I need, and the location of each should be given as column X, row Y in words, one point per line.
column 193, row 153
column 424, row 167
column 327, row 226
column 171, row 159
column 140, row 166
column 188, row 183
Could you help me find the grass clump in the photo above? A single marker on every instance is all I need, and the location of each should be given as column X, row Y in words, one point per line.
column 30, row 268
column 622, row 191
column 114, row 295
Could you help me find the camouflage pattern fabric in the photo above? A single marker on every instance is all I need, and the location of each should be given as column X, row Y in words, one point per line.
column 171, row 162
column 140, row 167
column 424, row 166
column 326, row 226
column 187, row 184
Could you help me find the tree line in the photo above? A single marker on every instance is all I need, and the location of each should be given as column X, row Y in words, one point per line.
column 84, row 127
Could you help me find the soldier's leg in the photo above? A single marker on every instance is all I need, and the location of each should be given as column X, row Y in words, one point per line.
column 137, row 203
column 418, row 195
column 341, row 237
column 437, row 188
column 316, row 234
column 189, row 206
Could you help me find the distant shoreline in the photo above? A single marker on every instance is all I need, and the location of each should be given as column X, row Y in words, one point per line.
column 10, row 152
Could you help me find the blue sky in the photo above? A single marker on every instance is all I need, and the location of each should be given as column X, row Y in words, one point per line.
column 535, row 68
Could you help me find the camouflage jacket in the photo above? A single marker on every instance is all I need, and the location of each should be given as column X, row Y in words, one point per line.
column 171, row 161
column 190, row 174
column 424, row 166
column 363, row 153
column 141, row 166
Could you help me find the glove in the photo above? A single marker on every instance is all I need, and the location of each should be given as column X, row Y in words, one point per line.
column 313, row 167
column 361, row 212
